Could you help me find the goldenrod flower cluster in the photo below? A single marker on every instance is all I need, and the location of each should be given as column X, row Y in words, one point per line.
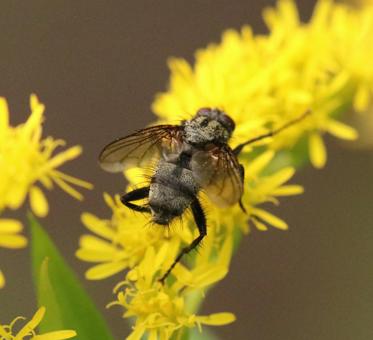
column 262, row 82
column 28, row 330
column 27, row 160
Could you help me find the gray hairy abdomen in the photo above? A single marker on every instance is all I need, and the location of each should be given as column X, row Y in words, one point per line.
column 172, row 188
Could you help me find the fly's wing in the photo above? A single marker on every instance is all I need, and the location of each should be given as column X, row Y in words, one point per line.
column 141, row 147
column 217, row 171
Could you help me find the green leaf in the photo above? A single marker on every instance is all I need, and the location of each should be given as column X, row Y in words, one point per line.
column 53, row 319
column 68, row 305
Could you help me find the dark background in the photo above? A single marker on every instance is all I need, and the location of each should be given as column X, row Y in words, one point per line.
column 97, row 65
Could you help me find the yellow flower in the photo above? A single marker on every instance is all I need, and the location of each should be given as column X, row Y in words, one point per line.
column 160, row 310
column 26, row 158
column 120, row 242
column 260, row 188
column 126, row 241
column 264, row 81
column 28, row 330
column 25, row 161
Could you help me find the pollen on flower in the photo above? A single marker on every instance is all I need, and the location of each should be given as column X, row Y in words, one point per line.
column 7, row 332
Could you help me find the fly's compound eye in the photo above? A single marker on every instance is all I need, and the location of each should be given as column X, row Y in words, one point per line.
column 205, row 112
column 227, row 122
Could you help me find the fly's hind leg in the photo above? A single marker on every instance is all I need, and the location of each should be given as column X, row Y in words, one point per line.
column 135, row 195
column 200, row 218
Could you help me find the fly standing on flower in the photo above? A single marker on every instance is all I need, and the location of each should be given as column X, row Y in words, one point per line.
column 191, row 157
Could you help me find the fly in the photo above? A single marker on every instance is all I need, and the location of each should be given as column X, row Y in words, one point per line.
column 191, row 157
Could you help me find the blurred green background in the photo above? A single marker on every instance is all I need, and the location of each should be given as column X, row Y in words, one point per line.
column 97, row 66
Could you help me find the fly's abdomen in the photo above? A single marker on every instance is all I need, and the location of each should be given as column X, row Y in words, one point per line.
column 172, row 190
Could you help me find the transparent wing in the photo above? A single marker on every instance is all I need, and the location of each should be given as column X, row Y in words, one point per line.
column 217, row 171
column 141, row 147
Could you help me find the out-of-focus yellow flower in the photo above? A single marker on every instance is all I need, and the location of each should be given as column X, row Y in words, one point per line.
column 28, row 330
column 26, row 158
column 25, row 161
column 160, row 310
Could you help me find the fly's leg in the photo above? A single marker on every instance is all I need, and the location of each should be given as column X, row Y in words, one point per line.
column 200, row 219
column 239, row 147
column 135, row 195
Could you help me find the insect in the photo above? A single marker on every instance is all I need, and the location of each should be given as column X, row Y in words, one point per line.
column 191, row 157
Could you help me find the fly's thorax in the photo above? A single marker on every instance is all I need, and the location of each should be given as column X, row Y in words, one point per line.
column 208, row 126
column 172, row 190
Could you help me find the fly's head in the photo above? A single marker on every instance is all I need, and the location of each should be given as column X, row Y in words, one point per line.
column 208, row 126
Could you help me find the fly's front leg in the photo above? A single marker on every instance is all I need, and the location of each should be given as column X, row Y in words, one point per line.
column 237, row 150
column 200, row 219
column 135, row 195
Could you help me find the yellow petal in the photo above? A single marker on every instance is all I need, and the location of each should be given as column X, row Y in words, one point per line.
column 317, row 151
column 36, row 319
column 217, row 319
column 74, row 180
column 275, row 180
column 95, row 243
column 259, row 225
column 2, row 282
column 182, row 273
column 4, row 114
column 225, row 253
column 135, row 176
column 203, row 277
column 67, row 188
column 93, row 255
column 97, row 226
column 105, row 270
column 13, row 241
column 10, row 226
column 3, row 332
column 259, row 163
column 57, row 335
column 64, row 156
column 270, row 219
column 34, row 121
column 288, row 190
column 34, row 101
column 153, row 334
column 137, row 333
column 16, row 196
column 38, row 202
column 341, row 130
column 361, row 99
